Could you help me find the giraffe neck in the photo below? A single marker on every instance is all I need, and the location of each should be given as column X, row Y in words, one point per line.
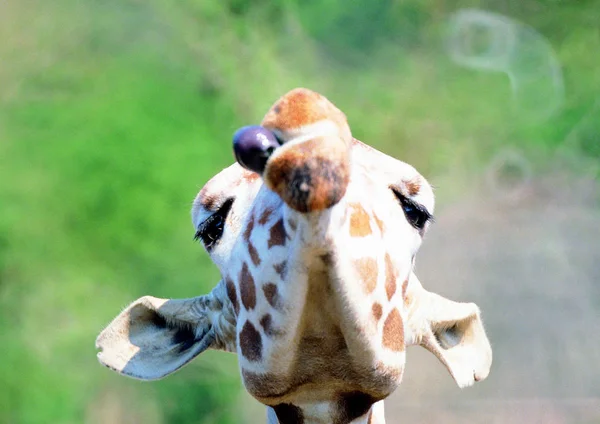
column 326, row 413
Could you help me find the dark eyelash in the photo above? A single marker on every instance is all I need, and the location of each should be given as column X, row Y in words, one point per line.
column 211, row 230
column 415, row 213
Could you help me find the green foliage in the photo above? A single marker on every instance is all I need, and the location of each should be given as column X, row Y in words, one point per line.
column 113, row 114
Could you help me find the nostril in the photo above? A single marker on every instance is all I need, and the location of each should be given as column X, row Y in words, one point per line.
column 252, row 146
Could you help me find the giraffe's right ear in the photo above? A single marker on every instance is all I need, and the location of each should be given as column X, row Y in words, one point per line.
column 452, row 331
column 154, row 337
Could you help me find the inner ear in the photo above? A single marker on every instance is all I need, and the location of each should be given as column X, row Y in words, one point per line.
column 146, row 323
column 449, row 337
column 155, row 337
column 450, row 334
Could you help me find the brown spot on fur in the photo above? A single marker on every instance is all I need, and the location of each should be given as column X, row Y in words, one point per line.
column 277, row 234
column 393, row 331
column 352, row 405
column 249, row 228
column 271, row 294
column 250, row 176
column 288, row 414
column 247, row 288
column 370, row 419
column 379, row 222
column 367, row 269
column 267, row 324
column 264, row 218
column 390, row 277
column 250, row 342
column 232, row 295
column 209, row 201
column 404, row 287
column 281, row 269
column 253, row 254
column 413, row 186
column 377, row 311
column 360, row 223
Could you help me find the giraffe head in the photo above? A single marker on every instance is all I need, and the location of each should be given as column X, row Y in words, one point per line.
column 316, row 246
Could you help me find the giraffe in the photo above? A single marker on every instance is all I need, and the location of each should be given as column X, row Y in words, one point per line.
column 315, row 235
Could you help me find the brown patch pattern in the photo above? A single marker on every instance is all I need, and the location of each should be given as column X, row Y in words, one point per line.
column 208, row 200
column 247, row 288
column 249, row 228
column 377, row 311
column 390, row 277
column 367, row 269
column 404, row 287
column 360, row 223
column 281, row 269
column 271, row 294
column 413, row 186
column 277, row 234
column 250, row 342
column 393, row 331
column 253, row 254
column 267, row 324
column 232, row 295
column 250, row 176
column 264, row 218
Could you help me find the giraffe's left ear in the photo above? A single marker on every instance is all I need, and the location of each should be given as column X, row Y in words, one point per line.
column 452, row 331
column 154, row 337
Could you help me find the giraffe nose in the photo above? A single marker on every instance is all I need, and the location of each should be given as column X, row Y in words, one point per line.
column 252, row 146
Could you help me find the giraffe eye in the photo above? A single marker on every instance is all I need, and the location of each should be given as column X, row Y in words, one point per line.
column 211, row 230
column 415, row 213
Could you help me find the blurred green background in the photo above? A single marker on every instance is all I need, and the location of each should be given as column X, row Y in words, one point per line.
column 113, row 114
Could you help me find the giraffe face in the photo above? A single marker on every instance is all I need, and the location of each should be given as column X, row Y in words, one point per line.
column 266, row 250
column 318, row 296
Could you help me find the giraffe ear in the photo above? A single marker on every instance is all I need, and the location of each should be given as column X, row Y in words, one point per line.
column 154, row 337
column 452, row 331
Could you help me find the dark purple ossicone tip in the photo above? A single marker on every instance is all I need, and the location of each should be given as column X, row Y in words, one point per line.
column 252, row 146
